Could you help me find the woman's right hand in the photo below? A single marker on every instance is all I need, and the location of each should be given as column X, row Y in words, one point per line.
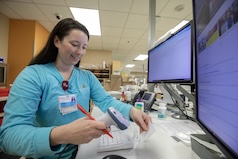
column 80, row 131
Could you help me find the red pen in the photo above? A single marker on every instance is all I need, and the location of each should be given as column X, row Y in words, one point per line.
column 90, row 117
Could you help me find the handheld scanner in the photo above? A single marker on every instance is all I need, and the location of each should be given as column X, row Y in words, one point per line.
column 121, row 121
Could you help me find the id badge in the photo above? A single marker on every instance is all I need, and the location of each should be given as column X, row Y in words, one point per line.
column 67, row 104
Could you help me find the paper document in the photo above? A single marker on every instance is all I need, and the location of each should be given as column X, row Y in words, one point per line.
column 179, row 130
column 141, row 137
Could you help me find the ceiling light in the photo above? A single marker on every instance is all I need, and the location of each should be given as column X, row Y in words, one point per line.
column 89, row 18
column 180, row 25
column 130, row 65
column 141, row 57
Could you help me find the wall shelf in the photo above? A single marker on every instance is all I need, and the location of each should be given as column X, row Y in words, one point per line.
column 101, row 74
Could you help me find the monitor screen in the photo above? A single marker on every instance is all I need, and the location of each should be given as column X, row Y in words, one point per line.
column 172, row 60
column 146, row 96
column 216, row 32
column 3, row 75
column 2, row 71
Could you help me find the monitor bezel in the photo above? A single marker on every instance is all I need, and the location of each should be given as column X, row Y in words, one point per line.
column 178, row 81
column 5, row 66
column 221, row 145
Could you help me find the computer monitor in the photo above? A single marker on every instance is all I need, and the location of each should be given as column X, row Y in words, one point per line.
column 3, row 74
column 172, row 60
column 216, row 32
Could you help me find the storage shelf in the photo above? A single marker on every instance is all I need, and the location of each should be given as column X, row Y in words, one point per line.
column 101, row 73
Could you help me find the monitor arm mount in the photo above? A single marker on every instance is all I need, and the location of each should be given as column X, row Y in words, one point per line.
column 189, row 96
column 178, row 98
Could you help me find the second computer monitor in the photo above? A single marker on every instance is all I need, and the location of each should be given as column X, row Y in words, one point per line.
column 172, row 60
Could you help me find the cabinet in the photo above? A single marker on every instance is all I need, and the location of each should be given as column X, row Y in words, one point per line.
column 26, row 39
column 101, row 74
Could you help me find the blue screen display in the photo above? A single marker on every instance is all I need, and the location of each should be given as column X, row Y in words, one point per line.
column 171, row 61
column 217, row 69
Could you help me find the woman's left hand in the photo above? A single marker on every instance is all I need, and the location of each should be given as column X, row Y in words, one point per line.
column 140, row 118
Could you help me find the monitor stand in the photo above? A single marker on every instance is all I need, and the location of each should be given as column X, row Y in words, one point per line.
column 178, row 115
column 189, row 96
column 167, row 98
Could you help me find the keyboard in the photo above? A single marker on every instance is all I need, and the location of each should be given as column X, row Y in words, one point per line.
column 121, row 140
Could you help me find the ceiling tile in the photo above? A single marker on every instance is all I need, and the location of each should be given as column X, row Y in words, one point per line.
column 89, row 4
column 95, row 39
column 121, row 21
column 27, row 1
column 48, row 25
column 109, row 46
column 189, row 17
column 51, row 2
column 165, row 24
column 111, row 31
column 160, row 34
column 115, row 5
column 140, row 7
column 131, row 57
column 50, row 11
column 113, row 19
column 140, row 48
column 4, row 9
column 133, row 33
column 169, row 11
column 160, row 5
column 142, row 42
column 136, row 21
column 33, row 12
column 128, row 41
column 133, row 53
column 95, row 46
column 121, row 51
column 145, row 35
column 125, row 46
column 112, row 40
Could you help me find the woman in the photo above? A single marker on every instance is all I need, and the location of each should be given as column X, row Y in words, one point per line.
column 41, row 118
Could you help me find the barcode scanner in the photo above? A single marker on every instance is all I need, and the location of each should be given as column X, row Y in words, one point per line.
column 114, row 117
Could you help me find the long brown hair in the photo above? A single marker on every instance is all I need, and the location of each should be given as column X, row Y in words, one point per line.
column 62, row 29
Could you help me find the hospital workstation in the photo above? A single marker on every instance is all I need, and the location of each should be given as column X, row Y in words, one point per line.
column 212, row 41
column 189, row 90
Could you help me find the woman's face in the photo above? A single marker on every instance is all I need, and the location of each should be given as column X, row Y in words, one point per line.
column 71, row 48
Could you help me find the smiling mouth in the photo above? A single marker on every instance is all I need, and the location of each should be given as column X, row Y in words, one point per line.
column 75, row 57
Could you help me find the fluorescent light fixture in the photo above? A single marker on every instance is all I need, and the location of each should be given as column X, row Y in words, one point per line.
column 130, row 65
column 180, row 25
column 141, row 57
column 89, row 18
